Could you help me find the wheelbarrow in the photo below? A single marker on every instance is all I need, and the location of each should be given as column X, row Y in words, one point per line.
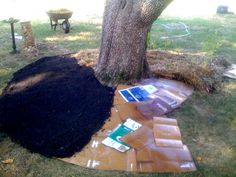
column 62, row 14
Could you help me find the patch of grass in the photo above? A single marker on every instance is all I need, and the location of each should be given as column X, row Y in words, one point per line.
column 81, row 35
column 207, row 121
column 211, row 36
column 5, row 75
column 5, row 40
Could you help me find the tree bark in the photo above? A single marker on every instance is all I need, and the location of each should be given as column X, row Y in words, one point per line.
column 123, row 48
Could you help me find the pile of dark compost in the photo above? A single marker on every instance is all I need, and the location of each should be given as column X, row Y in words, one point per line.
column 53, row 106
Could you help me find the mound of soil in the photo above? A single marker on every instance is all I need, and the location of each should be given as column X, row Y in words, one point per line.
column 53, row 106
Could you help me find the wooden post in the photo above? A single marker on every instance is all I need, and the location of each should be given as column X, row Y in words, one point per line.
column 27, row 34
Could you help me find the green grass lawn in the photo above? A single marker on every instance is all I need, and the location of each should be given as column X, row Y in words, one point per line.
column 207, row 121
column 81, row 36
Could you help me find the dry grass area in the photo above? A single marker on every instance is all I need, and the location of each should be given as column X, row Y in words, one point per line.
column 87, row 57
column 193, row 69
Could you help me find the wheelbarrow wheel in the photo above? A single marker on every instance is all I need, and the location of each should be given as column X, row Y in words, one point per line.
column 66, row 26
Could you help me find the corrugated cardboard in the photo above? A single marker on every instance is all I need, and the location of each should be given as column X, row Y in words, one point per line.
column 156, row 146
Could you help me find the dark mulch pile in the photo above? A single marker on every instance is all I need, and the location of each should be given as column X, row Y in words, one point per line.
column 53, row 106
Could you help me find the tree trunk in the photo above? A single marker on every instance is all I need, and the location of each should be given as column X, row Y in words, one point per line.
column 123, row 48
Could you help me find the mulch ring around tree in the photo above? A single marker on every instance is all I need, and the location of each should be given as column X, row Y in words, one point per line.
column 53, row 106
column 202, row 73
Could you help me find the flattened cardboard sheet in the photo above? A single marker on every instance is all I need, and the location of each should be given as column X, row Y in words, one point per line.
column 168, row 143
column 168, row 96
column 166, row 131
column 173, row 86
column 129, row 110
column 148, row 157
column 113, row 139
column 154, row 107
column 164, row 120
column 140, row 138
column 161, row 146
column 118, row 99
column 153, row 153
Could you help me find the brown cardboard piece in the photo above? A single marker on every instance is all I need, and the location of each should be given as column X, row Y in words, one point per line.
column 156, row 146
column 168, row 156
column 170, row 94
column 118, row 100
column 166, row 132
column 173, row 86
column 148, row 158
column 164, row 120
column 140, row 138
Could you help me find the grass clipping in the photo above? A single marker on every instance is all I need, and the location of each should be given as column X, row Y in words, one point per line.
column 202, row 73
